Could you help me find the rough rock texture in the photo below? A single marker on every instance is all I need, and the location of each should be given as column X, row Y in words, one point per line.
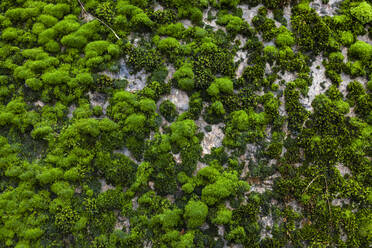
column 98, row 99
column 127, row 153
column 320, row 83
column 158, row 7
column 212, row 23
column 136, row 81
column 179, row 98
column 248, row 13
column 71, row 109
column 343, row 169
column 211, row 139
column 105, row 186
column 39, row 104
column 186, row 23
column 267, row 223
column 329, row 9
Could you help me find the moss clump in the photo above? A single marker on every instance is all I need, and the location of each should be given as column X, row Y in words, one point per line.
column 168, row 110
column 223, row 85
column 362, row 12
column 361, row 50
column 262, row 142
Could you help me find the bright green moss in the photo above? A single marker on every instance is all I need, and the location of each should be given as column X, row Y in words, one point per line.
column 185, row 77
column 195, row 213
column 37, row 28
column 346, row 38
column 47, row 20
column 46, row 35
column 73, row 40
column 80, row 156
column 21, row 14
column 10, row 34
column 57, row 10
column 34, row 83
column 56, row 77
column 362, row 12
column 223, row 216
column 182, row 132
column 223, row 85
column 168, row 44
column 285, row 39
column 96, row 48
column 360, row 50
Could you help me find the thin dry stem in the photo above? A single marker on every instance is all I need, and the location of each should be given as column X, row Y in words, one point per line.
column 84, row 10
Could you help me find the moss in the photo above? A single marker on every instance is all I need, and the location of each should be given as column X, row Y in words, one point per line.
column 355, row 69
column 58, row 10
column 297, row 113
column 185, row 77
column 270, row 53
column 66, row 26
column 285, row 38
column 346, row 38
column 360, row 50
column 168, row 110
column 182, row 132
column 47, row 20
column 312, row 34
column 215, row 113
column 362, row 12
column 74, row 41
column 223, row 85
column 67, row 124
column 266, row 26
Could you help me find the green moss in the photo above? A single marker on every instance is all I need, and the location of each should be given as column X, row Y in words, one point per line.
column 362, row 12
column 312, row 33
column 195, row 213
column 183, row 132
column 285, row 39
column 185, row 77
column 346, row 38
column 223, row 85
column 168, row 110
column 80, row 156
column 360, row 50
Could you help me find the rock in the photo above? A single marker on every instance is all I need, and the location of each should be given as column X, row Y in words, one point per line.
column 39, row 104
column 127, row 153
column 319, row 85
column 343, row 169
column 98, row 99
column 158, row 7
column 329, row 9
column 340, row 202
column 212, row 139
column 136, row 81
column 71, row 109
column 105, row 186
column 186, row 23
column 178, row 98
column 248, row 13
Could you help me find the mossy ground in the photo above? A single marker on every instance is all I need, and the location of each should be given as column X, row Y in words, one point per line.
column 201, row 123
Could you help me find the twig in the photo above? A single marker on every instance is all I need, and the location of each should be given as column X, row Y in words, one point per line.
column 329, row 206
column 310, row 183
column 85, row 11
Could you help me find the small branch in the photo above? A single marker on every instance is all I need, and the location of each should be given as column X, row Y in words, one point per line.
column 85, row 11
column 310, row 183
column 329, row 205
